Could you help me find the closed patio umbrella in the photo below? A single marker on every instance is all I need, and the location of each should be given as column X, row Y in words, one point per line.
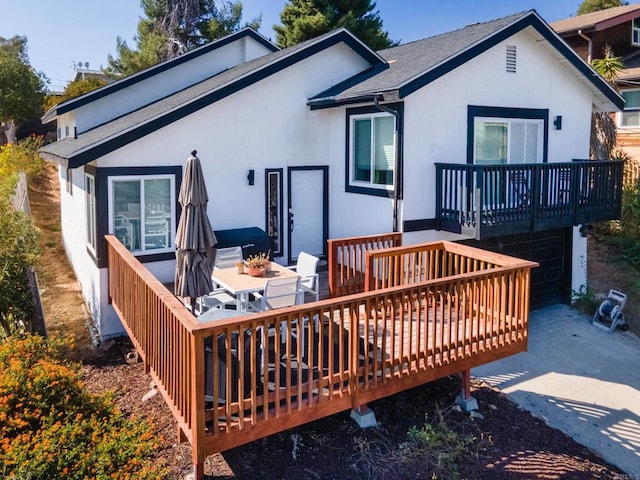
column 195, row 239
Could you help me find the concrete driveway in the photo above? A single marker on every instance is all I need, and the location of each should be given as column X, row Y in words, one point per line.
column 580, row 380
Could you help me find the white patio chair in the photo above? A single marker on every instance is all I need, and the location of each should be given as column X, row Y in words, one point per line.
column 219, row 298
column 307, row 267
column 278, row 293
column 228, row 257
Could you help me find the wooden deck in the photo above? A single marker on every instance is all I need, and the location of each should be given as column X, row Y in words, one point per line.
column 430, row 311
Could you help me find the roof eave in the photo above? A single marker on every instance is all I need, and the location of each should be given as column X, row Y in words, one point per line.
column 49, row 115
column 154, row 70
column 107, row 145
column 54, row 158
column 612, row 22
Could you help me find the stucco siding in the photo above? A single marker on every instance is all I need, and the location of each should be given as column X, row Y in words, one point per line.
column 436, row 116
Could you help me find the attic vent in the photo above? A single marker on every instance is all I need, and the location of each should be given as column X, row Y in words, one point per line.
column 511, row 58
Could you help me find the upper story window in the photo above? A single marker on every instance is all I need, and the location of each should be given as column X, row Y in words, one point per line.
column 372, row 151
column 507, row 140
column 630, row 117
column 635, row 32
column 142, row 212
column 506, row 135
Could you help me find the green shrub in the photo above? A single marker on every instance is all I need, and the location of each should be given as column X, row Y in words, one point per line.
column 624, row 233
column 51, row 427
column 19, row 249
column 19, row 245
column 22, row 157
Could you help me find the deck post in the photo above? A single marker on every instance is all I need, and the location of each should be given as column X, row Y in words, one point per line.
column 364, row 417
column 197, row 426
column 465, row 400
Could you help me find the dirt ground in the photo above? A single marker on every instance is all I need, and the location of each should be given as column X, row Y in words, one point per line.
column 509, row 443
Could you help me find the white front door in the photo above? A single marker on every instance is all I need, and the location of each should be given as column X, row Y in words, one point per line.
column 307, row 211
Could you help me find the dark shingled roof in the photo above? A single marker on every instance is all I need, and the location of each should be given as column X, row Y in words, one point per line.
column 394, row 73
column 409, row 61
column 415, row 64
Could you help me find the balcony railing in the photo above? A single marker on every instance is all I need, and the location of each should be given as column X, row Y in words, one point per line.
column 492, row 200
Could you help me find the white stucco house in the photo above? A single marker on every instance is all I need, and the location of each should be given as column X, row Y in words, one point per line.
column 324, row 139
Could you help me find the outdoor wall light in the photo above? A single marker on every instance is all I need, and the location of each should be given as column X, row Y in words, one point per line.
column 558, row 122
column 251, row 177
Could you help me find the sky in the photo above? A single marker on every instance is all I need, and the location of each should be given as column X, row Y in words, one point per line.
column 63, row 32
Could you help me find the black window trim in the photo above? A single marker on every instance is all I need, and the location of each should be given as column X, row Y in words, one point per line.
column 474, row 111
column 377, row 192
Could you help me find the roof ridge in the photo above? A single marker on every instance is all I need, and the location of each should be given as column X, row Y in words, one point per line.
column 470, row 25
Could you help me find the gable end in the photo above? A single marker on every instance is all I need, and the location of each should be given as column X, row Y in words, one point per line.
column 152, row 71
column 531, row 20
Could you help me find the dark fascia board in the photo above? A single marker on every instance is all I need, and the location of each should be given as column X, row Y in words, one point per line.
column 612, row 22
column 113, row 143
column 530, row 20
column 326, row 98
column 331, row 103
column 156, row 69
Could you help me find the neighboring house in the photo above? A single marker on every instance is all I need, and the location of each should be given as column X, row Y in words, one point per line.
column 618, row 28
column 339, row 141
column 86, row 74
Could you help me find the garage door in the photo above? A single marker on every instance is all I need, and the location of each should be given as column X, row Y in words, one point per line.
column 551, row 281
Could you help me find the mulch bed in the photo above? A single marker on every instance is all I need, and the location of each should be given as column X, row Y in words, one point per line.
column 509, row 443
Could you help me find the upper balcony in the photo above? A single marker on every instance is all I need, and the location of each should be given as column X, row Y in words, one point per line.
column 492, row 200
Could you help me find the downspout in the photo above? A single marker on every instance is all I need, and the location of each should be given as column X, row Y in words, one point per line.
column 396, row 160
column 589, row 47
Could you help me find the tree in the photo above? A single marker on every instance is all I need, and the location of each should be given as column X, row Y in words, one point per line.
column 603, row 125
column 172, row 27
column 21, row 87
column 588, row 6
column 305, row 19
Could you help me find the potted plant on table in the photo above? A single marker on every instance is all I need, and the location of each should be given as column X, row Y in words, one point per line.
column 257, row 265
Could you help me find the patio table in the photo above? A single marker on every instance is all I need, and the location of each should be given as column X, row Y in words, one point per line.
column 242, row 284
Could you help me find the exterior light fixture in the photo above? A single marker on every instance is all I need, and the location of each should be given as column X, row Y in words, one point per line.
column 558, row 122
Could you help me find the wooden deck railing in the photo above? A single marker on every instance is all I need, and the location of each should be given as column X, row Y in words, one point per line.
column 232, row 381
column 159, row 326
column 347, row 260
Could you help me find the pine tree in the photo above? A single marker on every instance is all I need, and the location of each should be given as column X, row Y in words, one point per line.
column 305, row 19
column 172, row 27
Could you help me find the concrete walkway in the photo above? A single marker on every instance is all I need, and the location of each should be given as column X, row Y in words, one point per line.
column 579, row 379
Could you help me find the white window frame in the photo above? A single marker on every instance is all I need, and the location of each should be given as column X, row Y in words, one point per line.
column 69, row 181
column 509, row 121
column 172, row 196
column 635, row 32
column 90, row 202
column 352, row 132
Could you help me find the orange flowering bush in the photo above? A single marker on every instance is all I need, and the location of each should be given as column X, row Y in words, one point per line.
column 51, row 427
